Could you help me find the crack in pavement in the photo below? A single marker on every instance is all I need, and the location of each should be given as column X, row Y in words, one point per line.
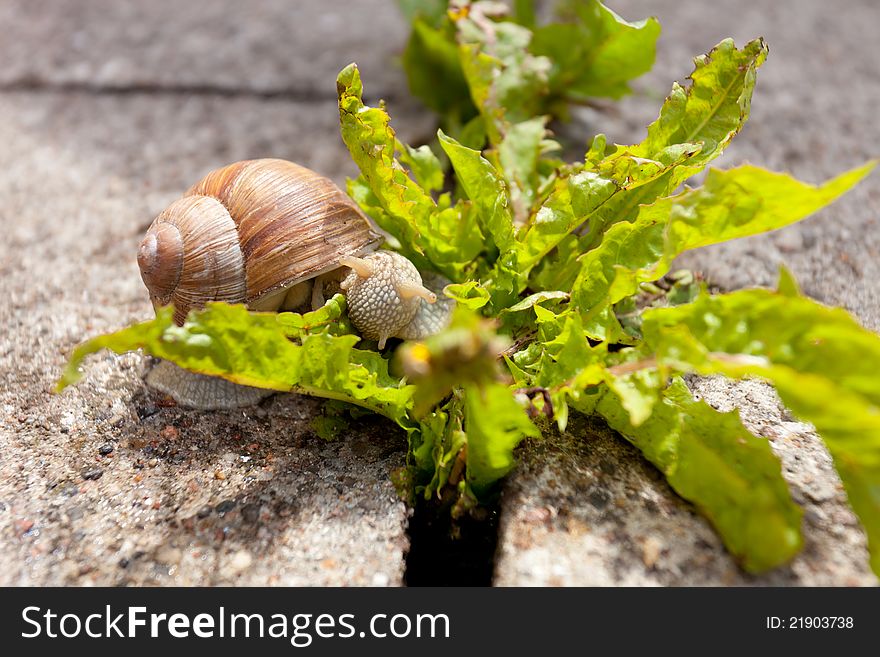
column 37, row 85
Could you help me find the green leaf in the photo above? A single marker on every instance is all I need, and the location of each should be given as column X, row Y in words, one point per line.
column 329, row 427
column 437, row 445
column 561, row 361
column 736, row 203
column 695, row 125
column 787, row 284
column 573, row 199
column 432, row 11
column 476, row 57
column 710, row 459
column 469, row 294
column 495, row 424
column 597, row 53
column 433, row 70
column 524, row 12
column 535, row 299
column 822, row 363
column 507, row 83
column 329, row 316
column 713, row 109
column 424, row 165
column 593, row 197
column 253, row 349
column 432, row 235
column 519, row 154
column 486, row 189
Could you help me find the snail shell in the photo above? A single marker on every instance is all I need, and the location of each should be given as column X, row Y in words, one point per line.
column 246, row 233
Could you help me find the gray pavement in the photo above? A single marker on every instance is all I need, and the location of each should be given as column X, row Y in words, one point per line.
column 265, row 46
column 108, row 110
column 248, row 497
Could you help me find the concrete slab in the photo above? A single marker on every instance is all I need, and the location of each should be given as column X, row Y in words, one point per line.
column 179, row 497
column 813, row 115
column 267, row 46
column 584, row 508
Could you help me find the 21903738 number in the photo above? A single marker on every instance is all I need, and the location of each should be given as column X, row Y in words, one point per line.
column 820, row 622
column 810, row 623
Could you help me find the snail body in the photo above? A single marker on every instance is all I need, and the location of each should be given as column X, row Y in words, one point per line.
column 274, row 235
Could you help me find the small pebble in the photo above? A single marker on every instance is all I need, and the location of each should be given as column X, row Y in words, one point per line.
column 146, row 409
column 169, row 432
column 225, row 506
column 240, row 561
column 105, row 449
column 251, row 512
column 169, row 555
column 219, row 474
column 204, row 512
column 93, row 473
column 651, row 548
column 23, row 525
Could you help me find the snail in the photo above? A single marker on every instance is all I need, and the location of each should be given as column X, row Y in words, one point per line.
column 277, row 236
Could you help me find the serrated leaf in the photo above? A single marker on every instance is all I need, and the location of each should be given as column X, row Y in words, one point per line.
column 560, row 361
column 487, row 190
column 597, row 52
column 437, row 445
column 822, row 363
column 253, row 349
column 432, row 236
column 710, row 459
column 495, row 424
column 713, row 109
column 592, row 197
column 743, row 201
column 476, row 57
column 695, row 125
column 573, row 199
